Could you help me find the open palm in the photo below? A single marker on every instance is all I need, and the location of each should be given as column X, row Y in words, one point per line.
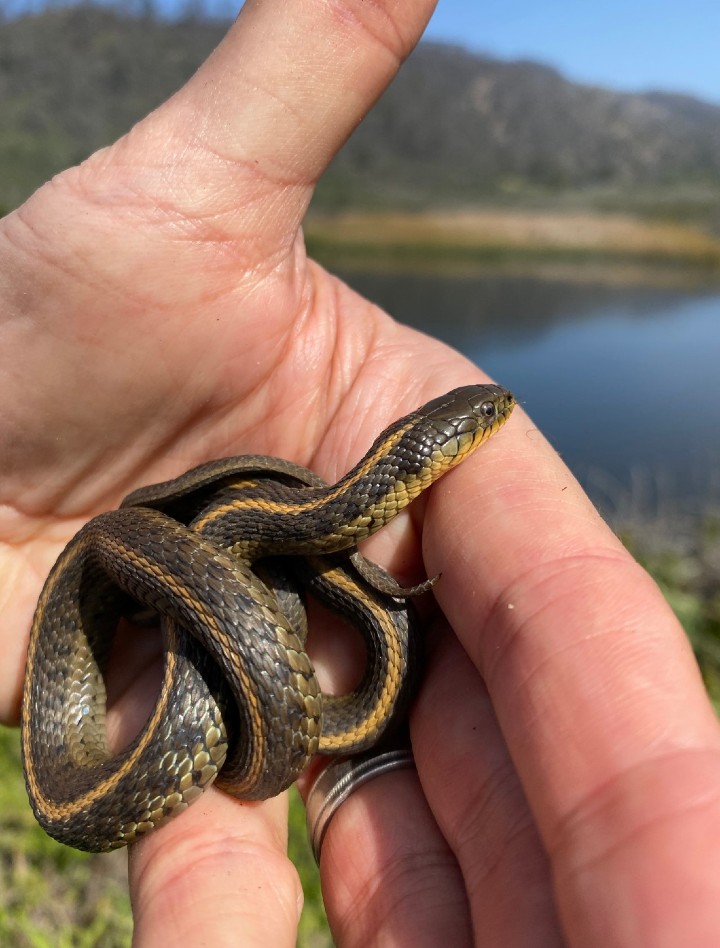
column 163, row 312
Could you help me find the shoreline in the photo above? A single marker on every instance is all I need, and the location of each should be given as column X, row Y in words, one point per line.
column 575, row 245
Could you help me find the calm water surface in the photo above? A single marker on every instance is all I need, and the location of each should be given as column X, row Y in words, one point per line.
column 625, row 381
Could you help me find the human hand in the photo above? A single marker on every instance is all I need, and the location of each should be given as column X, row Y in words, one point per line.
column 567, row 756
column 157, row 311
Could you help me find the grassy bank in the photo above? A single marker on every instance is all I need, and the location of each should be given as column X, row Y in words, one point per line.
column 686, row 566
column 495, row 237
column 54, row 897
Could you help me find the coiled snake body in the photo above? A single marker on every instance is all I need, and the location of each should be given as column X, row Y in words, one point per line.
column 239, row 700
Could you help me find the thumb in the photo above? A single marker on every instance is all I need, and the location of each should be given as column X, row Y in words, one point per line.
column 289, row 83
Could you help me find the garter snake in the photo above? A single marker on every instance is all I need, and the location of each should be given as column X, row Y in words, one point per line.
column 214, row 553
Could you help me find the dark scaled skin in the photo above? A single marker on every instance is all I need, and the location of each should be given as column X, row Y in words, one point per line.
column 239, row 700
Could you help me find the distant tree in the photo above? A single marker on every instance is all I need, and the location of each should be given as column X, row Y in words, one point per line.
column 453, row 127
column 192, row 11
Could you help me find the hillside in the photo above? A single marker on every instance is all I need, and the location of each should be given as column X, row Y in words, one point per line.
column 468, row 122
column 455, row 127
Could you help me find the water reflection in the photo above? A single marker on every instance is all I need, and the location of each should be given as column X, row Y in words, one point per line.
column 622, row 379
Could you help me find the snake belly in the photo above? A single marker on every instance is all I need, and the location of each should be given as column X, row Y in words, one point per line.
column 239, row 701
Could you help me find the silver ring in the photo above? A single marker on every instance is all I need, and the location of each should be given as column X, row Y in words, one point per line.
column 340, row 779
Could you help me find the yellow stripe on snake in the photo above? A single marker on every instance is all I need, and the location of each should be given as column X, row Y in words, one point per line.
column 239, row 702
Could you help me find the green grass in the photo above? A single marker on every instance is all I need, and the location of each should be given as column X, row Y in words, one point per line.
column 51, row 895
column 313, row 931
column 688, row 573
column 54, row 897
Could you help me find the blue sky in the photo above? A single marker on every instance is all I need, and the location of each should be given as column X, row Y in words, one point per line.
column 633, row 45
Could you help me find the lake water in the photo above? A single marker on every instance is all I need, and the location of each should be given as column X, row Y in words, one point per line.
column 624, row 380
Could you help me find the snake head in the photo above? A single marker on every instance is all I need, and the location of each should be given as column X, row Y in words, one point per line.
column 469, row 408
column 449, row 427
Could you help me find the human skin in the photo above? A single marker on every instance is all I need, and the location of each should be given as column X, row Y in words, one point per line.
column 157, row 309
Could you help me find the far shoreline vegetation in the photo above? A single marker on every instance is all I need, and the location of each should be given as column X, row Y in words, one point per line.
column 612, row 246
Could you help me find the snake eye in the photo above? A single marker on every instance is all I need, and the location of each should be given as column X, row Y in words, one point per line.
column 488, row 410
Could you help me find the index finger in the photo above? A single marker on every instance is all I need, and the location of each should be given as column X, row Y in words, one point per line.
column 594, row 685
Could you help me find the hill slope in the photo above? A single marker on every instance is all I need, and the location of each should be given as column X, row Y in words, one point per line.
column 455, row 126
